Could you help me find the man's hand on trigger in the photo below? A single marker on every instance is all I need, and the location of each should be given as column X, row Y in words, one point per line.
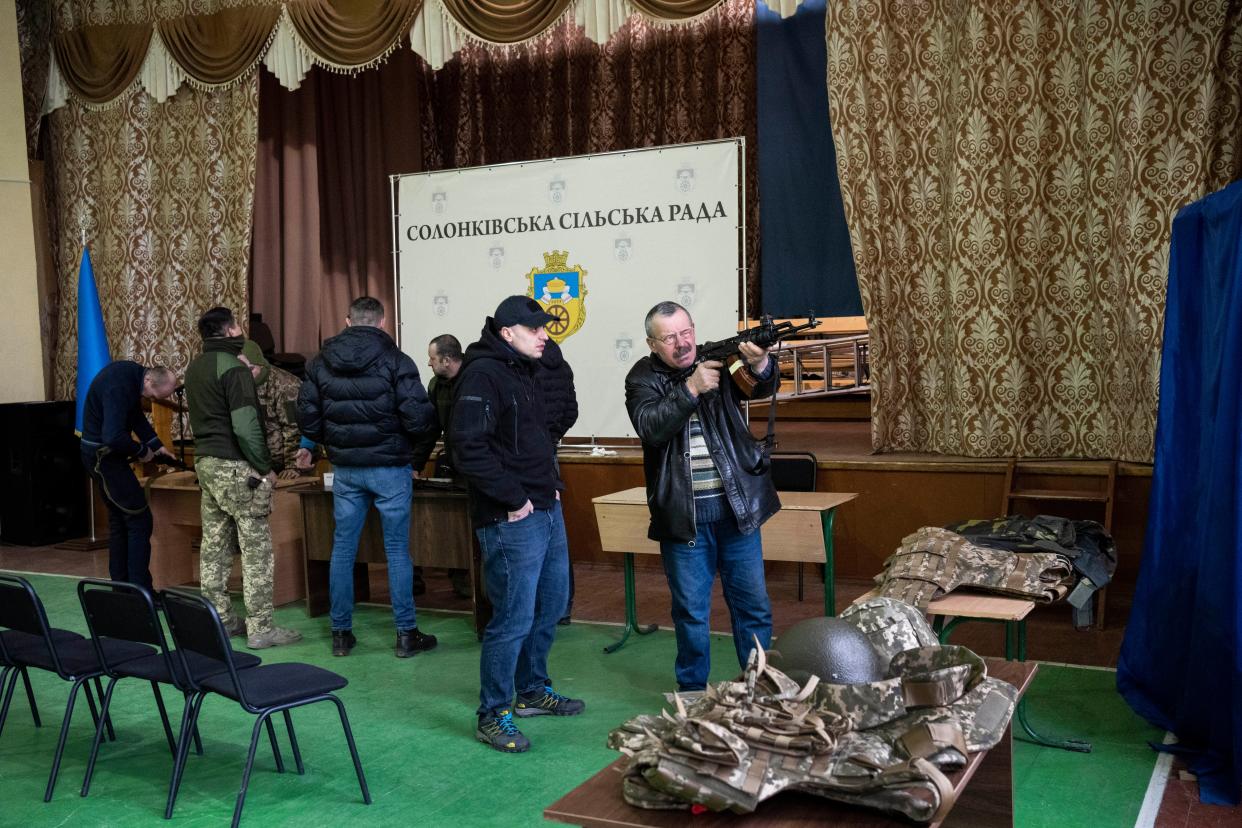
column 706, row 377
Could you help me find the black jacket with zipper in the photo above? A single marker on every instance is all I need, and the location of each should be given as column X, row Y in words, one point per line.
column 660, row 405
column 499, row 432
column 363, row 401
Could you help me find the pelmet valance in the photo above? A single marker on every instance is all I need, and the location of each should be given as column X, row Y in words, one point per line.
column 97, row 63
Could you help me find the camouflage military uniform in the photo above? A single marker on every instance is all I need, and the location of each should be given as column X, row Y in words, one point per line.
column 277, row 393
column 886, row 744
column 933, row 561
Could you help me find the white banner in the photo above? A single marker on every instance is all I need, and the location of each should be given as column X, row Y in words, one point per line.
column 596, row 239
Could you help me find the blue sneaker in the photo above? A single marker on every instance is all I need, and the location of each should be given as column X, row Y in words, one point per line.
column 547, row 702
column 497, row 730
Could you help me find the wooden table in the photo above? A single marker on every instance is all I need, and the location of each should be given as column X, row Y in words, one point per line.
column 984, row 790
column 800, row 531
column 176, row 509
column 440, row 535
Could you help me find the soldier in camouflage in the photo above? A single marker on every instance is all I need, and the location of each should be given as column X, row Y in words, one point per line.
column 277, row 392
column 885, row 744
column 235, row 475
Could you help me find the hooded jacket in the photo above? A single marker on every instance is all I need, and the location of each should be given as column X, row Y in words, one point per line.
column 499, row 431
column 556, row 383
column 660, row 406
column 362, row 399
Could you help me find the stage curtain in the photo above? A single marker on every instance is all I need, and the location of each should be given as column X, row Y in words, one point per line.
column 674, row 9
column 505, row 21
column 218, row 48
column 323, row 217
column 352, row 33
column 1009, row 174
column 164, row 196
column 564, row 95
column 101, row 62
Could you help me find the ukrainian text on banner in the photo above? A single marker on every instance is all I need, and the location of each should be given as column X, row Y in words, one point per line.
column 596, row 239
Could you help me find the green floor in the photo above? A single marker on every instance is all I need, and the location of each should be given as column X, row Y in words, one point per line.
column 413, row 720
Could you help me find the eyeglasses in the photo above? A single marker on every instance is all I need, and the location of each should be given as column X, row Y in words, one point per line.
column 671, row 339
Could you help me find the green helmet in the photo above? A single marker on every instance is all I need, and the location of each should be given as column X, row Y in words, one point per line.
column 834, row 650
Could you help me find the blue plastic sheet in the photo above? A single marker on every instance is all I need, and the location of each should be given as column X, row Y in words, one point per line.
column 1181, row 665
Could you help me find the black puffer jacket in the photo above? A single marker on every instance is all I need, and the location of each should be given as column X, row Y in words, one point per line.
column 660, row 406
column 499, row 432
column 556, row 383
column 363, row 401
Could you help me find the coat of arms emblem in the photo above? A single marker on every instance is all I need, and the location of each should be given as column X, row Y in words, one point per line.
column 561, row 291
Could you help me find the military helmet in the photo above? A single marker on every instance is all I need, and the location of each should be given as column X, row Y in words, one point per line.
column 834, row 650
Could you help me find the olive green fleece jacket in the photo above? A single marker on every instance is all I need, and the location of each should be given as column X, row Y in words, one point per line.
column 224, row 408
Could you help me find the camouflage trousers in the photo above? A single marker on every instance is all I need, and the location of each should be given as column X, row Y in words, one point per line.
column 235, row 516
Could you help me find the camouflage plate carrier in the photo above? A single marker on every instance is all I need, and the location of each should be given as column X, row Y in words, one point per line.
column 886, row 744
column 934, row 561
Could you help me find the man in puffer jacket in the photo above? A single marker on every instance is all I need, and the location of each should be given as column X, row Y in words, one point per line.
column 362, row 400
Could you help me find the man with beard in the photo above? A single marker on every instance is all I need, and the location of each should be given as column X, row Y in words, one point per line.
column 708, row 486
column 503, row 448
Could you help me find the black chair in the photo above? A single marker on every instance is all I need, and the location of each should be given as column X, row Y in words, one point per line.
column 126, row 612
column 794, row 471
column 11, row 640
column 263, row 690
column 72, row 658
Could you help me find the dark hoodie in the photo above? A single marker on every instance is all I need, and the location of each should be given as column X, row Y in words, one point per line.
column 556, row 383
column 501, row 444
column 363, row 401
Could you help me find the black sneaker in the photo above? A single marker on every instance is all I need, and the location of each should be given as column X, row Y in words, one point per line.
column 547, row 702
column 498, row 731
column 412, row 642
column 342, row 642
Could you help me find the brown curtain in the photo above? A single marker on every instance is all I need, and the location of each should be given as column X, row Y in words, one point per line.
column 165, row 195
column 323, row 215
column 99, row 63
column 1009, row 174
column 218, row 48
column 352, row 32
column 505, row 21
column 34, row 31
column 564, row 95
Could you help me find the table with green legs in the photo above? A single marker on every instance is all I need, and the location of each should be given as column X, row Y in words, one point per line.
column 801, row 532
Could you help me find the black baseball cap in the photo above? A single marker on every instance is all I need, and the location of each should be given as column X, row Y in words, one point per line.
column 521, row 310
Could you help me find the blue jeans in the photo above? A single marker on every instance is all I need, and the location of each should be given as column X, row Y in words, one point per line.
column 354, row 489
column 526, row 574
column 691, row 568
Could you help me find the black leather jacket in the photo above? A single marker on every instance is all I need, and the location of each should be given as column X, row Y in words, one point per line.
column 660, row 407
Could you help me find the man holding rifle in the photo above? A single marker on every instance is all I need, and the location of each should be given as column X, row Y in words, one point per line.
column 708, row 485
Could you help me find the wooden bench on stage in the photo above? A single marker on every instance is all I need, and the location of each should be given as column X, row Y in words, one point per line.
column 984, row 791
column 801, row 531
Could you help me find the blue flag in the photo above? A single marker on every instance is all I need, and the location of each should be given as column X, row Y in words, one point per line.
column 93, row 352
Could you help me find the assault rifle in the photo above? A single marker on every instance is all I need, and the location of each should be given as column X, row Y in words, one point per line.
column 766, row 334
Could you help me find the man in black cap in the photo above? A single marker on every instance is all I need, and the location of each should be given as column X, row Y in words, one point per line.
column 502, row 446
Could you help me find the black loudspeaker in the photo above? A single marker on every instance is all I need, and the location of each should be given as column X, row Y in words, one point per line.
column 43, row 493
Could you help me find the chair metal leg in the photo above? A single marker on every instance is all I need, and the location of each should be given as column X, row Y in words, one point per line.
column 64, row 734
column 293, row 741
column 7, row 692
column 34, row 708
column 168, row 734
column 245, row 783
column 189, row 721
column 108, row 719
column 353, row 749
column 99, row 729
column 271, row 735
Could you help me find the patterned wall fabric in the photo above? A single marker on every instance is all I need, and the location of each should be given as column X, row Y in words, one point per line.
column 564, row 95
column 1010, row 172
column 165, row 194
